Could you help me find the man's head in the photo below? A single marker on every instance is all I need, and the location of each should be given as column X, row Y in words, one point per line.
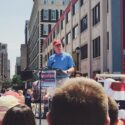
column 57, row 46
column 6, row 102
column 19, row 115
column 113, row 111
column 80, row 101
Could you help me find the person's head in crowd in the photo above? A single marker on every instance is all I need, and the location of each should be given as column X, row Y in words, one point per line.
column 57, row 46
column 21, row 96
column 29, row 91
column 79, row 101
column 6, row 102
column 78, row 74
column 72, row 75
column 20, row 92
column 113, row 111
column 19, row 115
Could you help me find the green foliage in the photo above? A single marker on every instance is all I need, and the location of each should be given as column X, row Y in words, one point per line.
column 16, row 80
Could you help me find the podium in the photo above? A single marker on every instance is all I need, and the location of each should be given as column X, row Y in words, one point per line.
column 50, row 77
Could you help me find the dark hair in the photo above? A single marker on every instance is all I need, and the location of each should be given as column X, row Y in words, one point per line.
column 113, row 110
column 78, row 72
column 19, row 115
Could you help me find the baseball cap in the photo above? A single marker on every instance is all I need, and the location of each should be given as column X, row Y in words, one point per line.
column 56, row 42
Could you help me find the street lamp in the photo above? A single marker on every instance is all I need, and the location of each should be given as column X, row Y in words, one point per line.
column 77, row 50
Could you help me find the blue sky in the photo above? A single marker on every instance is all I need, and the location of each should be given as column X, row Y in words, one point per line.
column 13, row 14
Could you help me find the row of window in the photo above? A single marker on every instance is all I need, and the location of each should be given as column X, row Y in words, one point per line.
column 84, row 20
column 63, row 2
column 45, row 29
column 83, row 23
column 34, row 52
column 96, row 49
column 95, row 12
column 75, row 31
column 84, row 49
column 49, row 15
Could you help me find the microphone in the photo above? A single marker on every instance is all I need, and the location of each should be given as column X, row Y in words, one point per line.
column 52, row 63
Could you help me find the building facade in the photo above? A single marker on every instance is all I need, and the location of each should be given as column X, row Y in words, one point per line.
column 93, row 32
column 8, row 69
column 23, row 58
column 18, row 66
column 4, row 63
column 45, row 14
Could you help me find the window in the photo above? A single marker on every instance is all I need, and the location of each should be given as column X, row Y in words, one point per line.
column 68, row 36
column 96, row 14
column 45, row 1
column 52, row 1
column 53, row 14
column 53, row 34
column 82, row 2
column 63, row 41
column 41, row 60
column 75, row 8
column 64, row 2
column 3, row 47
column 84, row 23
column 45, row 15
column 45, row 29
column 107, row 6
column 51, row 52
column 50, row 38
column 41, row 46
column 62, row 24
column 45, row 57
column 96, row 47
column 84, row 52
column 57, row 29
column 61, row 12
column 75, row 32
column 68, row 17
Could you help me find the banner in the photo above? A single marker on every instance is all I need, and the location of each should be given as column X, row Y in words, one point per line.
column 48, row 78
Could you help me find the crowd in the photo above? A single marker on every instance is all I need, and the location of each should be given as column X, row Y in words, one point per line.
column 78, row 101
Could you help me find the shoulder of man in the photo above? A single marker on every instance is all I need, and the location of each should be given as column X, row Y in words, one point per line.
column 52, row 56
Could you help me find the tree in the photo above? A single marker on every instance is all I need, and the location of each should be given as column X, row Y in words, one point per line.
column 16, row 80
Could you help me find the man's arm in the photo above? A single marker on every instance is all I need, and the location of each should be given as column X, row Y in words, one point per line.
column 69, row 71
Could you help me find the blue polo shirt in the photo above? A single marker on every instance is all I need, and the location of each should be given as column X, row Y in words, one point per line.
column 61, row 61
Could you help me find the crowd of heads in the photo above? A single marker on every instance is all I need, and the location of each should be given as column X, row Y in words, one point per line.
column 79, row 100
column 13, row 109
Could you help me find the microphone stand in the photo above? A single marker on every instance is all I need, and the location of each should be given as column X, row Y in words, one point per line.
column 40, row 112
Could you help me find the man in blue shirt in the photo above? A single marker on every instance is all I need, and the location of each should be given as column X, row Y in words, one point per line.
column 60, row 59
